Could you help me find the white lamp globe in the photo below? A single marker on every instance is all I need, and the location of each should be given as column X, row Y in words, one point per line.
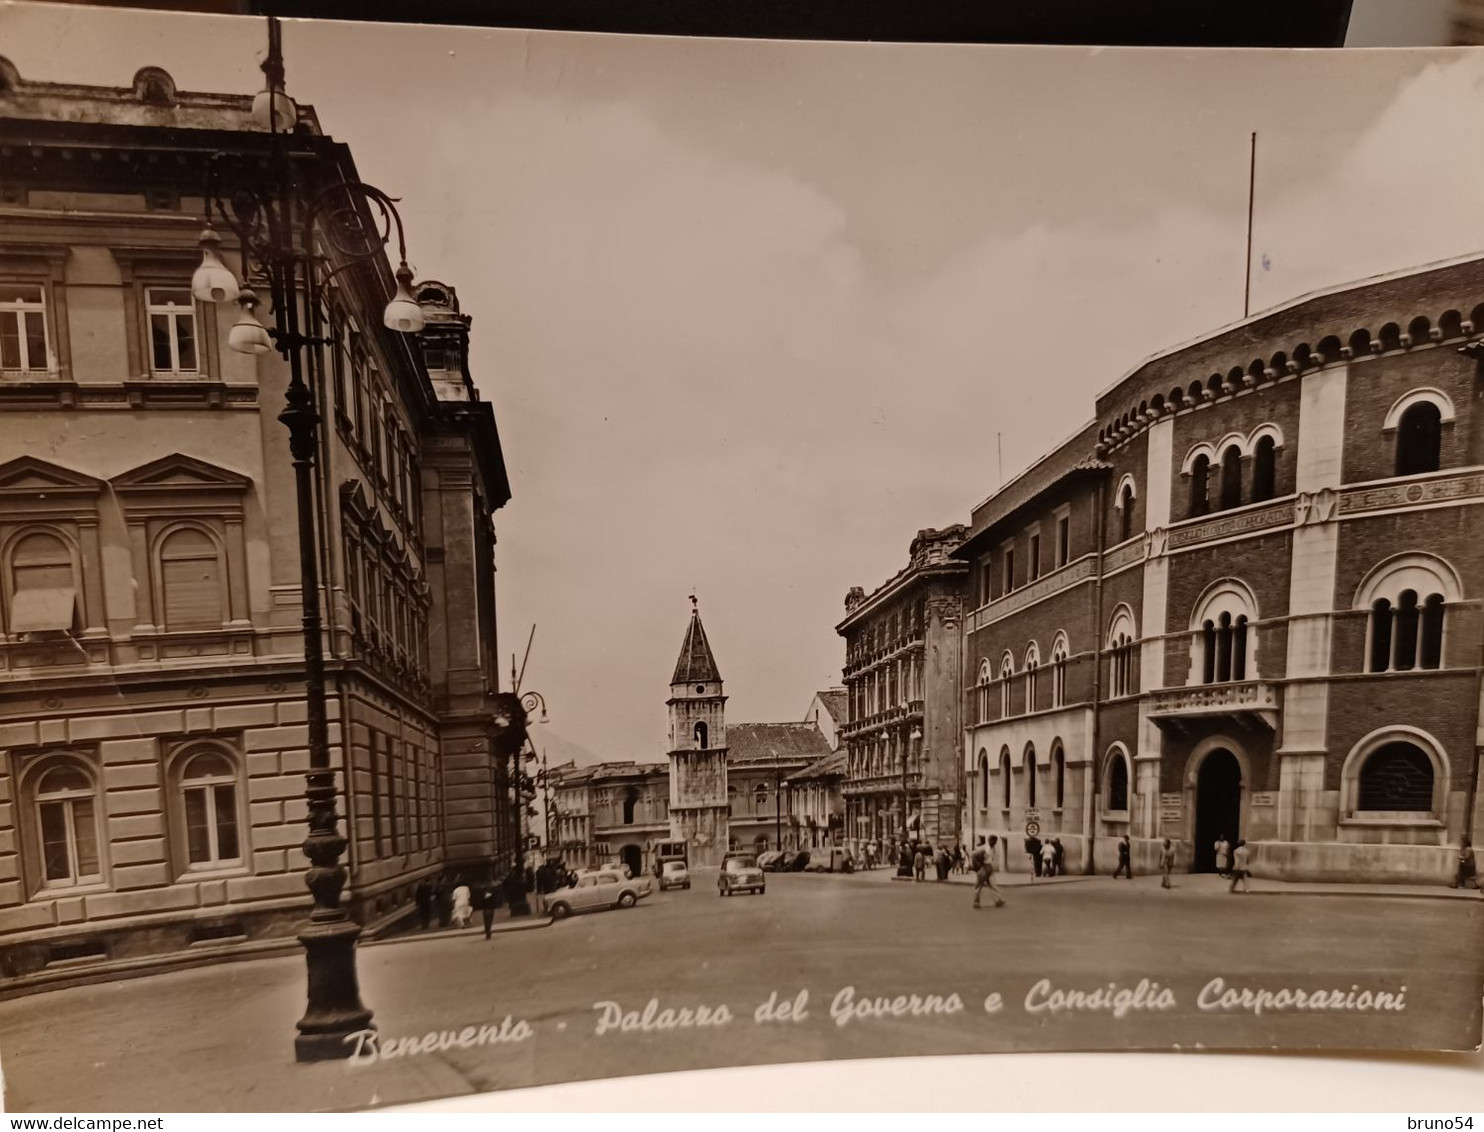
column 213, row 281
column 249, row 336
column 403, row 312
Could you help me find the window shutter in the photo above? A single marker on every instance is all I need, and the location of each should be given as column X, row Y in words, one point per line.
column 193, row 593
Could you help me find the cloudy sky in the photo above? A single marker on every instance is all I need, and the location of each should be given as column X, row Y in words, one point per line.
column 751, row 314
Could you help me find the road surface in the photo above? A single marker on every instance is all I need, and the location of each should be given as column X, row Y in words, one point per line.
column 523, row 1008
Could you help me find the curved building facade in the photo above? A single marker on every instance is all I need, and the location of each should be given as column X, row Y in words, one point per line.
column 1244, row 601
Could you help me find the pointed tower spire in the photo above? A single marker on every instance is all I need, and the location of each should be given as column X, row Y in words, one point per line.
column 696, row 664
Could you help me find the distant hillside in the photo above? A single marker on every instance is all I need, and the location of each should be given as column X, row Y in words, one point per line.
column 559, row 750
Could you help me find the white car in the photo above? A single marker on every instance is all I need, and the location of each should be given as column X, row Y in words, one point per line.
column 674, row 874
column 595, row 891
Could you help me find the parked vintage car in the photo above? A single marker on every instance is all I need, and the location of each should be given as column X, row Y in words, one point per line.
column 834, row 860
column 598, row 890
column 772, row 861
column 673, row 874
column 739, row 873
column 797, row 862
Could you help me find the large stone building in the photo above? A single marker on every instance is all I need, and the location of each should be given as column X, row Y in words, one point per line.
column 1245, row 599
column 153, row 736
column 903, row 733
column 611, row 812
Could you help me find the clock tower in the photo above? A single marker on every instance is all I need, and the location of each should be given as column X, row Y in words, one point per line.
column 698, row 749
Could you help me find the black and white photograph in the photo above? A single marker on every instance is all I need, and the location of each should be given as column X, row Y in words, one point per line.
column 530, row 557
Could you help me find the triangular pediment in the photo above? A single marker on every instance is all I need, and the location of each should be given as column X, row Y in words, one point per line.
column 178, row 472
column 27, row 475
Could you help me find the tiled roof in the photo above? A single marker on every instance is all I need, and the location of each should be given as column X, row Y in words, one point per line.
column 830, row 766
column 834, row 702
column 696, row 664
column 768, row 743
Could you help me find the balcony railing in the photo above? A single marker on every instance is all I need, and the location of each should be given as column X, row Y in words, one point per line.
column 1251, row 698
column 897, row 713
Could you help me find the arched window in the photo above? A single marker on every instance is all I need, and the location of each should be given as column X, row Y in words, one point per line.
column 1419, row 439
column 1406, row 598
column 1264, row 469
column 1122, row 651
column 983, row 779
column 981, row 691
column 1200, row 486
column 1032, row 662
column 1007, row 673
column 42, row 590
column 1030, row 775
column 64, row 800
column 191, row 580
column 1126, row 512
column 1117, row 800
column 208, row 790
column 1059, row 773
column 1059, row 652
column 1224, row 644
column 1231, row 477
column 1395, row 777
column 630, row 801
column 1005, row 777
column 700, row 733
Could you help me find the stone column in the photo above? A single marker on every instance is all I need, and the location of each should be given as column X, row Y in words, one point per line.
column 1154, row 624
column 1311, row 600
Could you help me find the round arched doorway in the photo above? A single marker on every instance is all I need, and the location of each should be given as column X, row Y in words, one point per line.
column 1218, row 805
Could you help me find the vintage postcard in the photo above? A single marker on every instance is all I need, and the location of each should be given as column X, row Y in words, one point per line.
column 531, row 557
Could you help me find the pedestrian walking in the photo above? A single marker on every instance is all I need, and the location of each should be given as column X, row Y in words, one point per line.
column 920, row 860
column 1125, row 859
column 1048, row 859
column 423, row 894
column 958, row 858
column 1468, row 873
column 984, row 869
column 443, row 897
column 463, row 905
column 1223, row 856
column 1033, row 850
column 489, row 900
column 1166, row 863
column 1061, row 857
column 1241, row 857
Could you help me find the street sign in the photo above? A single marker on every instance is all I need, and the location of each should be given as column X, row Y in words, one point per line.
column 1033, row 814
column 1032, row 828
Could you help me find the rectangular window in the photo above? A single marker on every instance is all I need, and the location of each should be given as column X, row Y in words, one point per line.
column 394, row 792
column 1035, row 558
column 23, row 342
column 1009, row 569
column 1063, row 540
column 172, row 329
column 375, row 758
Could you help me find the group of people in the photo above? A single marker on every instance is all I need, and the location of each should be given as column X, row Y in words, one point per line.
column 523, row 890
column 1232, row 861
column 1048, row 858
column 922, row 856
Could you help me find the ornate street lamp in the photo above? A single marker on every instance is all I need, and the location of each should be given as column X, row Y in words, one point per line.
column 288, row 227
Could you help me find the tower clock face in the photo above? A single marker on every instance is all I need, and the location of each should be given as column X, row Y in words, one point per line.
column 701, row 688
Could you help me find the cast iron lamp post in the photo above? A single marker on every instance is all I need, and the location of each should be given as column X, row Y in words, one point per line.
column 287, row 225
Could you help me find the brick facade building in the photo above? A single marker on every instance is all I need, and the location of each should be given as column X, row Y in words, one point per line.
column 1244, row 600
column 152, row 729
column 903, row 729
